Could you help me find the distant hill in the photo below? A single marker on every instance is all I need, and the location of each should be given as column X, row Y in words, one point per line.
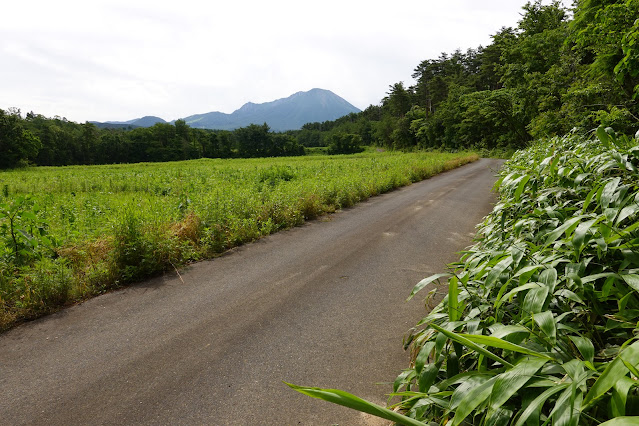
column 282, row 114
column 146, row 121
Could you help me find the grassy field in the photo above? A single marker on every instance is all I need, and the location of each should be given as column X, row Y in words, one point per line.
column 71, row 232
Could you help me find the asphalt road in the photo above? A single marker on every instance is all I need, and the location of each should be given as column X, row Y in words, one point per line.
column 319, row 305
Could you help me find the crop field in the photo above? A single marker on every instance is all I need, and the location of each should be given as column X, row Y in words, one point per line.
column 67, row 233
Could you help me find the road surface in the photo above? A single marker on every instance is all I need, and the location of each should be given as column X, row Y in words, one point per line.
column 319, row 305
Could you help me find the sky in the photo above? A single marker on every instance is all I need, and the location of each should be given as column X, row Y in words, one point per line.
column 102, row 60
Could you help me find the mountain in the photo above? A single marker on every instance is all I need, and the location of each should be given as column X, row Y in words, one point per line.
column 146, row 121
column 282, row 114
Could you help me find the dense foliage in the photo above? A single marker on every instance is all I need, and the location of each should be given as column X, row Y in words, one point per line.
column 38, row 140
column 540, row 321
column 70, row 232
column 539, row 324
column 557, row 69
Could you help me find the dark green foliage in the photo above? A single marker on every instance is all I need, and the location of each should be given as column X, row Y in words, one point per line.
column 18, row 146
column 38, row 140
column 345, row 144
column 540, row 321
column 23, row 233
column 540, row 79
column 540, row 317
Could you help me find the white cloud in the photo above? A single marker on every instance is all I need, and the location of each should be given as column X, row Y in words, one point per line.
column 117, row 60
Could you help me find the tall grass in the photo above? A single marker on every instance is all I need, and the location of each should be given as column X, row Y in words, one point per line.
column 540, row 321
column 71, row 232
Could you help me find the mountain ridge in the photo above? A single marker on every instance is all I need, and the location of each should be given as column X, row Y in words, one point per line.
column 289, row 113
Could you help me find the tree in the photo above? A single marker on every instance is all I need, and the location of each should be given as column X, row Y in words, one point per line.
column 254, row 141
column 17, row 144
column 345, row 144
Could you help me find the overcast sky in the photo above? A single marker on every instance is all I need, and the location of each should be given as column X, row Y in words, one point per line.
column 123, row 59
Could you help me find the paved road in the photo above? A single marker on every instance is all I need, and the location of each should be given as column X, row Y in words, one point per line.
column 319, row 305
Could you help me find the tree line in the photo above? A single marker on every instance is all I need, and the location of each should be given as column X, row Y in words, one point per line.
column 42, row 141
column 556, row 70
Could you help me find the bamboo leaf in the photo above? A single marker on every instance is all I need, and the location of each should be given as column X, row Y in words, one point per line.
column 476, row 396
column 520, row 188
column 620, row 396
column 423, row 283
column 497, row 270
column 537, row 403
column 512, row 380
column 535, row 299
column 609, row 191
column 514, row 291
column 585, row 347
column 632, row 280
column 613, row 373
column 603, row 136
column 552, row 236
column 546, row 323
column 351, row 401
column 581, row 232
column 453, row 301
column 622, row 421
column 471, row 345
column 502, row 344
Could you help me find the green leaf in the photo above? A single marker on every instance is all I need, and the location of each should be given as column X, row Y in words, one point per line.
column 609, row 191
column 422, row 357
column 603, row 136
column 351, row 401
column 535, row 300
column 546, row 323
column 423, row 283
column 581, row 232
column 453, row 301
column 620, row 396
column 469, row 344
column 613, row 373
column 475, row 396
column 622, row 421
column 502, row 344
column 497, row 270
column 520, row 188
column 585, row 347
column 632, row 280
column 512, row 380
column 514, row 291
column 552, row 236
column 535, row 406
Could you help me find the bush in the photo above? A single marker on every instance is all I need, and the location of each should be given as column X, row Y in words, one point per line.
column 540, row 322
column 345, row 144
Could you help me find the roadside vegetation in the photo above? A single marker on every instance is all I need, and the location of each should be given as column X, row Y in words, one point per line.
column 540, row 321
column 67, row 233
column 539, row 324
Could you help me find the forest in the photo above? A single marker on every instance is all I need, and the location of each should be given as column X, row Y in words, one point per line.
column 558, row 69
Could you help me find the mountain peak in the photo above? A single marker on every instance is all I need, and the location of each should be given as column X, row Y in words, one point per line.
column 289, row 113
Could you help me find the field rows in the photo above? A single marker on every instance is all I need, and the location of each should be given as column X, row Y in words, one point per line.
column 71, row 232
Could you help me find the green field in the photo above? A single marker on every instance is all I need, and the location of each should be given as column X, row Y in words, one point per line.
column 71, row 232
